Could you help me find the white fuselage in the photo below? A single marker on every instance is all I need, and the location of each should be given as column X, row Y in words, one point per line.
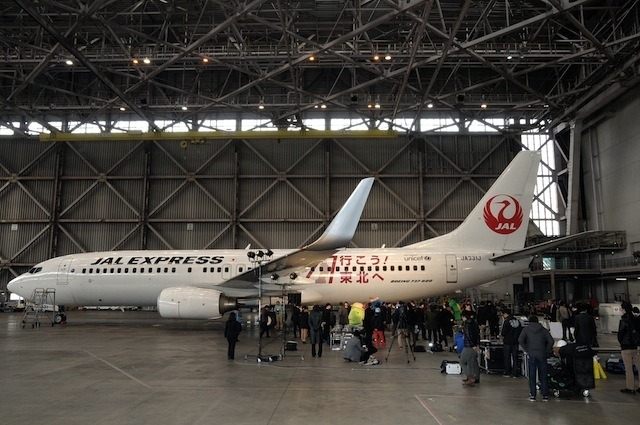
column 138, row 277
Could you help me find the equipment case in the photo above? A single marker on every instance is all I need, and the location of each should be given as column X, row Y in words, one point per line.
column 450, row 367
column 491, row 356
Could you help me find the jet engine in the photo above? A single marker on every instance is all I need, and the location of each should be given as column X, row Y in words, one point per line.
column 189, row 302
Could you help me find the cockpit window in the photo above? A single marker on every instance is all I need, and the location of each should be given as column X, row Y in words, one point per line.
column 34, row 270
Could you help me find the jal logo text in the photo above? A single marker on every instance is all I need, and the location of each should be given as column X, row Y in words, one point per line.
column 503, row 214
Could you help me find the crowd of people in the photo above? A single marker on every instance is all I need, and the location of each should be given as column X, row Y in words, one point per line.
column 373, row 322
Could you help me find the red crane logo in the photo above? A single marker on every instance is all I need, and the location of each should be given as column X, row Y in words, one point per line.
column 509, row 217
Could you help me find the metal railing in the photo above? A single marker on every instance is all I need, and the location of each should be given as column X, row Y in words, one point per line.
column 570, row 263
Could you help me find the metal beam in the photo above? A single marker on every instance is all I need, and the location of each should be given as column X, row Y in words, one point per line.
column 195, row 137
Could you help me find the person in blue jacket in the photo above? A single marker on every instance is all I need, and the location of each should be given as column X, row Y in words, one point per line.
column 458, row 341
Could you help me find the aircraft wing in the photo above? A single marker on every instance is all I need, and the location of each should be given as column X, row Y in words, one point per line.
column 337, row 235
column 530, row 251
column 299, row 258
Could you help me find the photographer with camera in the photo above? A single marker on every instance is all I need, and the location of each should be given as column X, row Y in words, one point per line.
column 357, row 351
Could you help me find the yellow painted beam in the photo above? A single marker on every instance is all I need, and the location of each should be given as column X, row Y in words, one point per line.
column 203, row 136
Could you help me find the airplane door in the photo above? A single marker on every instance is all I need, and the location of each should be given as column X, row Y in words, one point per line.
column 63, row 272
column 226, row 271
column 452, row 268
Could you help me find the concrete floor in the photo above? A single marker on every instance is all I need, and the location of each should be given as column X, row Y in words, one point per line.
column 113, row 367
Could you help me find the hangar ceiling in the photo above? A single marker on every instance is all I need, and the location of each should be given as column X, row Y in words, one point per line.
column 530, row 60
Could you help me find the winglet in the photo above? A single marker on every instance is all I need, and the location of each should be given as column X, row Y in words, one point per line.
column 343, row 226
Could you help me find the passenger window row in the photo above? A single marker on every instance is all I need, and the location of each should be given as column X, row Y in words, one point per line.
column 227, row 269
column 415, row 268
column 148, row 270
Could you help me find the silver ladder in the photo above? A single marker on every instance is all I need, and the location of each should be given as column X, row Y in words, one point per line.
column 38, row 306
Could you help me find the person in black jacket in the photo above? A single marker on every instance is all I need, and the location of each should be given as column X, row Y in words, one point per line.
column 493, row 319
column 367, row 324
column 511, row 329
column 379, row 325
column 421, row 320
column 231, row 331
column 412, row 323
column 266, row 320
column 628, row 339
column 469, row 354
column 445, row 323
column 537, row 342
column 304, row 324
column 553, row 311
column 295, row 320
column 585, row 331
column 482, row 316
column 315, row 330
column 328, row 322
column 432, row 323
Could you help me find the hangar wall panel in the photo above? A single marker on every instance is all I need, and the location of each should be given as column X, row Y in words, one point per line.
column 611, row 166
column 89, row 196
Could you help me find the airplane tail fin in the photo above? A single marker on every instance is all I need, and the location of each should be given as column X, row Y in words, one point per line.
column 342, row 228
column 500, row 220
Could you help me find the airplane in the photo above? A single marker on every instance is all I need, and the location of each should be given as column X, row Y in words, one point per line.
column 204, row 284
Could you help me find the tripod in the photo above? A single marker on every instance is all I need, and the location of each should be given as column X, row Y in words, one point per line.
column 285, row 293
column 408, row 346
